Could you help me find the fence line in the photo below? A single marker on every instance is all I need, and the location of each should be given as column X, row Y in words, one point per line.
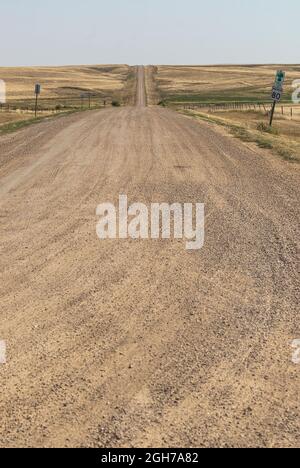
column 55, row 104
column 227, row 106
column 284, row 109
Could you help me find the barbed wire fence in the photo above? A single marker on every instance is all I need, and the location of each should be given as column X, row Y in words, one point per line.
column 264, row 107
column 56, row 104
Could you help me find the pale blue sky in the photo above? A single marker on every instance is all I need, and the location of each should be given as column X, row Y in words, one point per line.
column 59, row 32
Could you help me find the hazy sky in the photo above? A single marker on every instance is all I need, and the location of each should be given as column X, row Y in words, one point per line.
column 58, row 32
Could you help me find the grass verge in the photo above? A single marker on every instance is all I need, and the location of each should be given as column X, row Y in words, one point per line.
column 20, row 124
column 262, row 137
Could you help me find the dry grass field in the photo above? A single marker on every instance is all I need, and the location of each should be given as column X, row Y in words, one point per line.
column 56, row 82
column 176, row 86
column 64, row 89
column 208, row 92
column 221, row 83
column 253, row 127
column 7, row 117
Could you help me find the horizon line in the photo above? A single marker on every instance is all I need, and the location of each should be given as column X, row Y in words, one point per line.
column 229, row 64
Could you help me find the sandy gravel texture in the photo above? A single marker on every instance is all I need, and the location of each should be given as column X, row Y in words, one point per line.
column 123, row 343
column 141, row 99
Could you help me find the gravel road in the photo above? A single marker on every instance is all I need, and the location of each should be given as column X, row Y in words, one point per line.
column 138, row 342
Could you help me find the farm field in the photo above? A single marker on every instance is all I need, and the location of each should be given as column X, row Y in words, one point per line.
column 7, row 117
column 221, row 83
column 56, row 82
column 64, row 88
column 236, row 97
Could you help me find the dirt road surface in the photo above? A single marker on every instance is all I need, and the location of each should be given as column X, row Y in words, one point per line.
column 140, row 343
column 141, row 99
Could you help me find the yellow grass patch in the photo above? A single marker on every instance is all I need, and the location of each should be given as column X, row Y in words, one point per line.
column 64, row 81
column 222, row 82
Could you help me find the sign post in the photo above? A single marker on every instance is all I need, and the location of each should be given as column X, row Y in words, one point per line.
column 37, row 93
column 277, row 92
column 272, row 113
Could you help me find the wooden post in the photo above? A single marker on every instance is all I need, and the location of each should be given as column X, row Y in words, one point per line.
column 272, row 113
column 36, row 105
column 37, row 92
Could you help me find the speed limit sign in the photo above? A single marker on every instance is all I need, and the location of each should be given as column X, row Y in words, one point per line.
column 277, row 91
column 276, row 94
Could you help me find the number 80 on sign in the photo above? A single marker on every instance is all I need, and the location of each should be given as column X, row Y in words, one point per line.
column 276, row 95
